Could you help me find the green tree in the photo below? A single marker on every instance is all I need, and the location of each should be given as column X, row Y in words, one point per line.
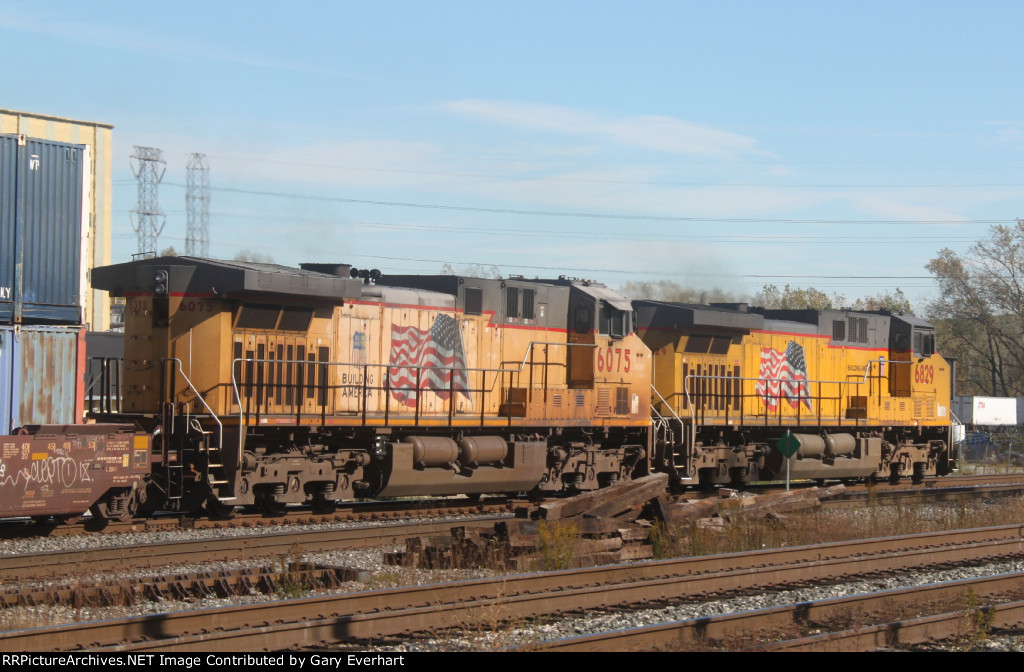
column 895, row 302
column 255, row 257
column 797, row 299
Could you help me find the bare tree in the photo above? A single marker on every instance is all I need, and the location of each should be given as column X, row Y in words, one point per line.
column 980, row 311
column 471, row 270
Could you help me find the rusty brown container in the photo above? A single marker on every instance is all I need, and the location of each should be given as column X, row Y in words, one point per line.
column 41, row 376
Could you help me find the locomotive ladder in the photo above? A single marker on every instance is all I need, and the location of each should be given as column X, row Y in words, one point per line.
column 666, row 435
column 208, row 446
column 213, row 470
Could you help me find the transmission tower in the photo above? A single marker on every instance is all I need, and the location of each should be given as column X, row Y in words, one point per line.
column 148, row 165
column 197, row 204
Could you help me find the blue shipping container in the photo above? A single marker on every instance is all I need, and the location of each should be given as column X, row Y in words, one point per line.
column 41, row 201
column 41, row 376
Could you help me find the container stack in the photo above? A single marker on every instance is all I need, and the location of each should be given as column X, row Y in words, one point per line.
column 42, row 337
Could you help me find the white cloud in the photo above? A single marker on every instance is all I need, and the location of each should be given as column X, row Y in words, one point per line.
column 651, row 132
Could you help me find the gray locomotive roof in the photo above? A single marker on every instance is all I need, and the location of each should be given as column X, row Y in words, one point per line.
column 601, row 292
column 913, row 320
column 408, row 296
column 666, row 314
column 234, row 279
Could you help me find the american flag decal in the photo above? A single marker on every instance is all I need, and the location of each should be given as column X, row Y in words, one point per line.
column 784, row 375
column 435, row 357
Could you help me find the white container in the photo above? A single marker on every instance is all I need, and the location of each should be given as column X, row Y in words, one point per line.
column 986, row 411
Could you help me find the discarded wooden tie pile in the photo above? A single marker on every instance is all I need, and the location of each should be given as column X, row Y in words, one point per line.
column 605, row 526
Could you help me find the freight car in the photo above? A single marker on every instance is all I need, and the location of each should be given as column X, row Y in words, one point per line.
column 61, row 471
column 249, row 384
column 853, row 395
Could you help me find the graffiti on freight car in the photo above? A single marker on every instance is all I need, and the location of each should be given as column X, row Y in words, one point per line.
column 57, row 471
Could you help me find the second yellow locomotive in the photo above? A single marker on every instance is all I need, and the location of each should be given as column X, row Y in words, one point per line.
column 857, row 395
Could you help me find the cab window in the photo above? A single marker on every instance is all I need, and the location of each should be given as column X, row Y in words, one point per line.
column 613, row 321
column 924, row 344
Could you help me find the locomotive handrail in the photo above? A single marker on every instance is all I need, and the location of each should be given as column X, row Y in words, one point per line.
column 693, row 410
column 667, row 405
column 220, row 426
column 108, row 382
column 682, row 425
column 236, row 371
column 529, row 349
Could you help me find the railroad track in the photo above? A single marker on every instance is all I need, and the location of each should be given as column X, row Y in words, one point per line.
column 933, row 489
column 51, row 564
column 368, row 616
column 406, row 509
column 349, row 512
column 882, row 619
column 55, row 564
column 859, row 497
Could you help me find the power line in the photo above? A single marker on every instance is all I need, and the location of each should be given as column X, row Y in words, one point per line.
column 562, row 269
column 598, row 215
column 525, row 233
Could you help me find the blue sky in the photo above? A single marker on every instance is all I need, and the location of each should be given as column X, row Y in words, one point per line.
column 718, row 145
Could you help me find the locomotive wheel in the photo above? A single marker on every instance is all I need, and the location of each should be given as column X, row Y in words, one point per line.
column 269, row 505
column 323, row 505
column 706, row 479
column 218, row 510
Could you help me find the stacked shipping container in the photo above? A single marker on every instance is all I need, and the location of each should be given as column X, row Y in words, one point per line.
column 42, row 342
column 41, row 375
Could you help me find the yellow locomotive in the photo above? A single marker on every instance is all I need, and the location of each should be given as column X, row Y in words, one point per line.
column 852, row 395
column 265, row 385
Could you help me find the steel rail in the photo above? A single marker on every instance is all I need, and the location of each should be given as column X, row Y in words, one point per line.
column 57, row 563
column 1009, row 616
column 747, row 626
column 544, row 597
column 892, row 497
column 372, row 614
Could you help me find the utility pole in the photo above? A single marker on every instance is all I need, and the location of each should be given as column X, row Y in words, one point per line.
column 148, row 165
column 197, row 205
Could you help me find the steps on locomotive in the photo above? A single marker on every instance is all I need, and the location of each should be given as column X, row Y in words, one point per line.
column 215, row 475
column 666, row 436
